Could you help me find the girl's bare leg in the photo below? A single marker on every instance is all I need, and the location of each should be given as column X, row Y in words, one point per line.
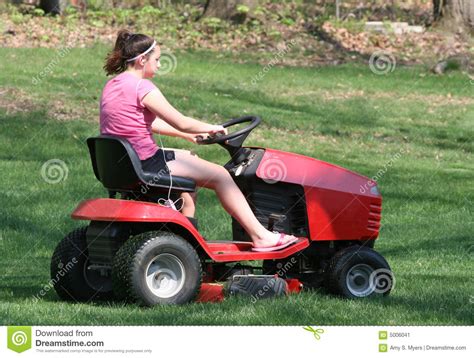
column 216, row 177
column 189, row 204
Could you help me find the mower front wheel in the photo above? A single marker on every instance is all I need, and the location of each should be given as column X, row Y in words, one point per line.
column 357, row 272
column 157, row 268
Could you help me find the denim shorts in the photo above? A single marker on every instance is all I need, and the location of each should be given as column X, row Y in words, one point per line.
column 156, row 162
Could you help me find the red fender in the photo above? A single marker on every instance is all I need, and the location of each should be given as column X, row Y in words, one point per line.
column 132, row 211
column 104, row 209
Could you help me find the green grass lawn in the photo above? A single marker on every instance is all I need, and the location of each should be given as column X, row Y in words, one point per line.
column 344, row 115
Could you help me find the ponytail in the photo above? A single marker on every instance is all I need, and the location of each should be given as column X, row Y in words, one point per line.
column 127, row 46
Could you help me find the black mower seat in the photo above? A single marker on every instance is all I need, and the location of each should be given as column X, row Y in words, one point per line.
column 117, row 166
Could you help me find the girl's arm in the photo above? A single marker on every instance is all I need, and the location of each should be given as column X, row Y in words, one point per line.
column 159, row 105
column 159, row 126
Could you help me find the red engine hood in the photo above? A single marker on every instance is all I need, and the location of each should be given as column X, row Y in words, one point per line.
column 293, row 168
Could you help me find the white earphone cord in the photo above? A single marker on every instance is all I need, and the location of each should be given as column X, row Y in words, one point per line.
column 168, row 202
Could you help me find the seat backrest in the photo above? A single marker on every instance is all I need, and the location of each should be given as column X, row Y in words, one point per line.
column 116, row 164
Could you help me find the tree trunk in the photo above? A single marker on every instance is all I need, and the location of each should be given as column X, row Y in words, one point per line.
column 227, row 9
column 51, row 6
column 456, row 15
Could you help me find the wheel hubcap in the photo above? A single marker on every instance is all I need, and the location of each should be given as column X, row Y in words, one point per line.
column 165, row 275
column 358, row 280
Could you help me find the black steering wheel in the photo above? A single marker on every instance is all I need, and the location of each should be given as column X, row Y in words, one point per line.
column 225, row 139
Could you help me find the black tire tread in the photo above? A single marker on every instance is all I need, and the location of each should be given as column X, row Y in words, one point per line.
column 69, row 286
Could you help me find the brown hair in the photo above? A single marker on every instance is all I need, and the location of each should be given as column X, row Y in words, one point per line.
column 127, row 46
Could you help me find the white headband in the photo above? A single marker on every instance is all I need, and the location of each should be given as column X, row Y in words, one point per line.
column 144, row 53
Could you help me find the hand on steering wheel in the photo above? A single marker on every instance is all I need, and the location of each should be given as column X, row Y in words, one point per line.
column 224, row 137
column 217, row 131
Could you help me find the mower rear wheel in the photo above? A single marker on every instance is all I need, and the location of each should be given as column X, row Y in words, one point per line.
column 70, row 273
column 157, row 268
column 357, row 272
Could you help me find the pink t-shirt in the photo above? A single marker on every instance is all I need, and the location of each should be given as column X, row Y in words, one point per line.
column 123, row 114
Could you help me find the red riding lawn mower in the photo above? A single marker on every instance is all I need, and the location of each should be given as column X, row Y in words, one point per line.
column 134, row 248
